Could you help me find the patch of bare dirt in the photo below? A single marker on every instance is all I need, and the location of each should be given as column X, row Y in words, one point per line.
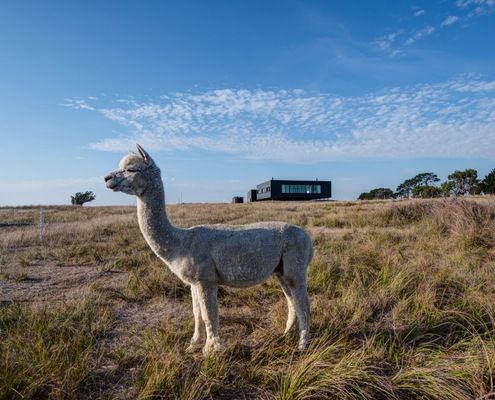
column 53, row 283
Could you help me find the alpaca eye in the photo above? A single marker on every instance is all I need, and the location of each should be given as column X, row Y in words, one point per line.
column 132, row 170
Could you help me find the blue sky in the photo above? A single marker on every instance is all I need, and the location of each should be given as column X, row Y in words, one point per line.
column 227, row 94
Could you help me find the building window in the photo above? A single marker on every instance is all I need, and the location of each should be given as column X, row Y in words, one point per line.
column 302, row 189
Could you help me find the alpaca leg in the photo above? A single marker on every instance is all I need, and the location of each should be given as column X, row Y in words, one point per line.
column 207, row 296
column 199, row 326
column 291, row 317
column 301, row 302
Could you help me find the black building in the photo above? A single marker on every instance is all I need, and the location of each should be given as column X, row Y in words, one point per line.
column 293, row 190
column 251, row 196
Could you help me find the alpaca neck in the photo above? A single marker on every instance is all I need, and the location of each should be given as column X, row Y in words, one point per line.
column 157, row 230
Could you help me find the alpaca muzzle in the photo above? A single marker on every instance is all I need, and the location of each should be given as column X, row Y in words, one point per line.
column 111, row 183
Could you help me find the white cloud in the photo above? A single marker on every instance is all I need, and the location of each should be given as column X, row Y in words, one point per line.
column 422, row 33
column 395, row 43
column 478, row 3
column 451, row 19
column 476, row 8
column 78, row 104
column 387, row 43
column 450, row 119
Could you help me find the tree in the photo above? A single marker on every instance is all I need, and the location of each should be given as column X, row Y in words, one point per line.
column 424, row 179
column 489, row 183
column 405, row 188
column 365, row 196
column 378, row 193
column 465, row 182
column 426, row 192
column 82, row 197
column 447, row 188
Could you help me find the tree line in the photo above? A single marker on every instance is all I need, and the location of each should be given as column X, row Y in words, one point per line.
column 427, row 185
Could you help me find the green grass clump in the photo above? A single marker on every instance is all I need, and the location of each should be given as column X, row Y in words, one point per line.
column 49, row 351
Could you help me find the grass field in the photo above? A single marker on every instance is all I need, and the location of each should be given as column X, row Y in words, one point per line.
column 403, row 307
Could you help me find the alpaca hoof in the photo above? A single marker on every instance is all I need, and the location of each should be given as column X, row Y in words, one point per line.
column 303, row 341
column 287, row 331
column 192, row 348
column 213, row 346
column 194, row 344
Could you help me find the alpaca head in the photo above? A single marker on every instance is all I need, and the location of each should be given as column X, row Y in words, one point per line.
column 137, row 174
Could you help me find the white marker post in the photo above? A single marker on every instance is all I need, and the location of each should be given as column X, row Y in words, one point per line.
column 42, row 224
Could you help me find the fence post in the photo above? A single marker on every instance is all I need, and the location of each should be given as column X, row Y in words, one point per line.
column 42, row 224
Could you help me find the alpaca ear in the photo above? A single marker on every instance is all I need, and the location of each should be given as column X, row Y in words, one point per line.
column 144, row 155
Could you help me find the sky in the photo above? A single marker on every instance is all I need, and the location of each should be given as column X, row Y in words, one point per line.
column 227, row 94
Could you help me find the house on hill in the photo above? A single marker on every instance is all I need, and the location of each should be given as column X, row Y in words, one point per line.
column 291, row 190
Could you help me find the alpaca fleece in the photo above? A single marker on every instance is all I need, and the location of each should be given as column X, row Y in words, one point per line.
column 207, row 256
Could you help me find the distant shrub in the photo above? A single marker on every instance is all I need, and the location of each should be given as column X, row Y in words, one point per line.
column 464, row 182
column 409, row 186
column 82, row 197
column 378, row 193
column 426, row 192
column 489, row 183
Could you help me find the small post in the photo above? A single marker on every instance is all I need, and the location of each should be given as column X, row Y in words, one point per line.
column 42, row 224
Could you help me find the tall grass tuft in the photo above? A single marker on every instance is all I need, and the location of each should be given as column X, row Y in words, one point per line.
column 49, row 351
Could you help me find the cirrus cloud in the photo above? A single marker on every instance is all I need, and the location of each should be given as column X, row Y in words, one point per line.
column 455, row 118
column 396, row 43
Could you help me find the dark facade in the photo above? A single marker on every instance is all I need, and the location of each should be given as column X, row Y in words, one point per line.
column 237, row 199
column 252, row 195
column 293, row 190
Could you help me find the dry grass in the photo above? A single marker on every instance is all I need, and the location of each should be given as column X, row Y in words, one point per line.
column 403, row 307
column 49, row 352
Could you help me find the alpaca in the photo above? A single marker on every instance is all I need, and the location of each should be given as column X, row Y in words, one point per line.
column 207, row 256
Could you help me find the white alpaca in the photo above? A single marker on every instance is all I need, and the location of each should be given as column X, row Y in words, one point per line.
column 207, row 256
